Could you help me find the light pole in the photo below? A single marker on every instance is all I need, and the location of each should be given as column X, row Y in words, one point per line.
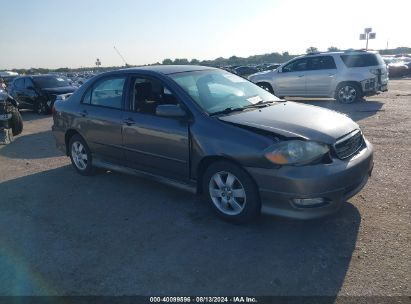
column 98, row 62
column 367, row 35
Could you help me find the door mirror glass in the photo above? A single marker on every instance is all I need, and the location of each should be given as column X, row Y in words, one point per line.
column 168, row 110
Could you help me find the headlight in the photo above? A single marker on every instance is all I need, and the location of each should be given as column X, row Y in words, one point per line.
column 295, row 152
column 374, row 71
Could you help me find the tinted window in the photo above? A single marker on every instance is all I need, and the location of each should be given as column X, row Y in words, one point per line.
column 321, row 63
column 362, row 60
column 51, row 82
column 19, row 83
column 148, row 94
column 108, row 93
column 28, row 83
column 296, row 66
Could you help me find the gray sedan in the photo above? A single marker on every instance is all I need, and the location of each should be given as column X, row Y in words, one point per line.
column 215, row 133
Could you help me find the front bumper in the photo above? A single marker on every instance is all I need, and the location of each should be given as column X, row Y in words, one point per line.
column 334, row 183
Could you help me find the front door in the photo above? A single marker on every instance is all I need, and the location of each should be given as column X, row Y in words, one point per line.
column 291, row 80
column 155, row 144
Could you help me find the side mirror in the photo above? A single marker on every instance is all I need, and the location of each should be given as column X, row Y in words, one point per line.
column 167, row 110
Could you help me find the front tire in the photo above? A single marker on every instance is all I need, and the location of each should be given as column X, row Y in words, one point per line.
column 80, row 155
column 231, row 193
column 41, row 108
column 266, row 86
column 16, row 122
column 348, row 93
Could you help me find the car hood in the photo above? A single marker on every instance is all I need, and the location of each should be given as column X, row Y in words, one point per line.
column 292, row 119
column 61, row 90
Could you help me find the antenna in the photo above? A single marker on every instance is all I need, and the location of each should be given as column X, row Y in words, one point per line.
column 120, row 55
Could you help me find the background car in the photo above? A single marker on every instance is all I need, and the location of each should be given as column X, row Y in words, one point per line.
column 245, row 71
column 346, row 76
column 38, row 92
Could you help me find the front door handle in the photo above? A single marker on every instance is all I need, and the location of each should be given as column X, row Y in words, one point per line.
column 299, row 76
column 129, row 121
column 83, row 113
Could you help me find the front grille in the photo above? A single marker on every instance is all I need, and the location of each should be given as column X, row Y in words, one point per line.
column 349, row 145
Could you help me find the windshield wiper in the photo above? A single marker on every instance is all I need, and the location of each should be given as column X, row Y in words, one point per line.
column 260, row 104
column 227, row 111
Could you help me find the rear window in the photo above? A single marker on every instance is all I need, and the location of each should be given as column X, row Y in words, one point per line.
column 362, row 60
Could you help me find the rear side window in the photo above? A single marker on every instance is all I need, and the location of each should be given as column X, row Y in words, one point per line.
column 361, row 60
column 321, row 63
column 106, row 93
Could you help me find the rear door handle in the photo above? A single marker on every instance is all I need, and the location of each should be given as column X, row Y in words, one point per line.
column 129, row 121
column 83, row 113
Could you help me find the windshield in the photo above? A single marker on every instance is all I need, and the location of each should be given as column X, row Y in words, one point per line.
column 51, row 82
column 216, row 90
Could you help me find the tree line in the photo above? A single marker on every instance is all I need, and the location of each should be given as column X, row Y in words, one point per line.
column 218, row 62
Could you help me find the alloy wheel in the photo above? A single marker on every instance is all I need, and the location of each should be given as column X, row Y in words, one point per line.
column 227, row 193
column 347, row 94
column 79, row 155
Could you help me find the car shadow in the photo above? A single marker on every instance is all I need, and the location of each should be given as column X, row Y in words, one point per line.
column 30, row 115
column 31, row 146
column 356, row 111
column 114, row 234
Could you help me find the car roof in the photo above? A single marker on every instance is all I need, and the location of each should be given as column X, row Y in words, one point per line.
column 169, row 69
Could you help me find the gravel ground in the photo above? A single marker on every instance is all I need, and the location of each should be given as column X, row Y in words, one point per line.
column 113, row 234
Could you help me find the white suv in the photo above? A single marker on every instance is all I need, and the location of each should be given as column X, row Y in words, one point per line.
column 346, row 76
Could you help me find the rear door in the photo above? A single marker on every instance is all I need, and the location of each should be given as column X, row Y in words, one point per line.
column 100, row 117
column 290, row 81
column 320, row 76
column 155, row 144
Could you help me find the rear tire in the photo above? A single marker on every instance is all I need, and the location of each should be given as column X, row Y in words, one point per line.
column 348, row 93
column 231, row 192
column 80, row 155
column 16, row 122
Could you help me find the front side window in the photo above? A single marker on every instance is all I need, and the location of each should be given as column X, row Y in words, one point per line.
column 296, row 66
column 106, row 93
column 148, row 93
column 217, row 90
column 28, row 83
column 19, row 83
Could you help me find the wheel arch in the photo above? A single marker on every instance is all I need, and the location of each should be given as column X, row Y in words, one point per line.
column 207, row 161
column 266, row 83
column 337, row 87
column 68, row 135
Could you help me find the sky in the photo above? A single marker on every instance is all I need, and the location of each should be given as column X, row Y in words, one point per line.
column 74, row 33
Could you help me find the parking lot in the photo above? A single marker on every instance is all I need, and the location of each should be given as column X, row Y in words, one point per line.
column 114, row 234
